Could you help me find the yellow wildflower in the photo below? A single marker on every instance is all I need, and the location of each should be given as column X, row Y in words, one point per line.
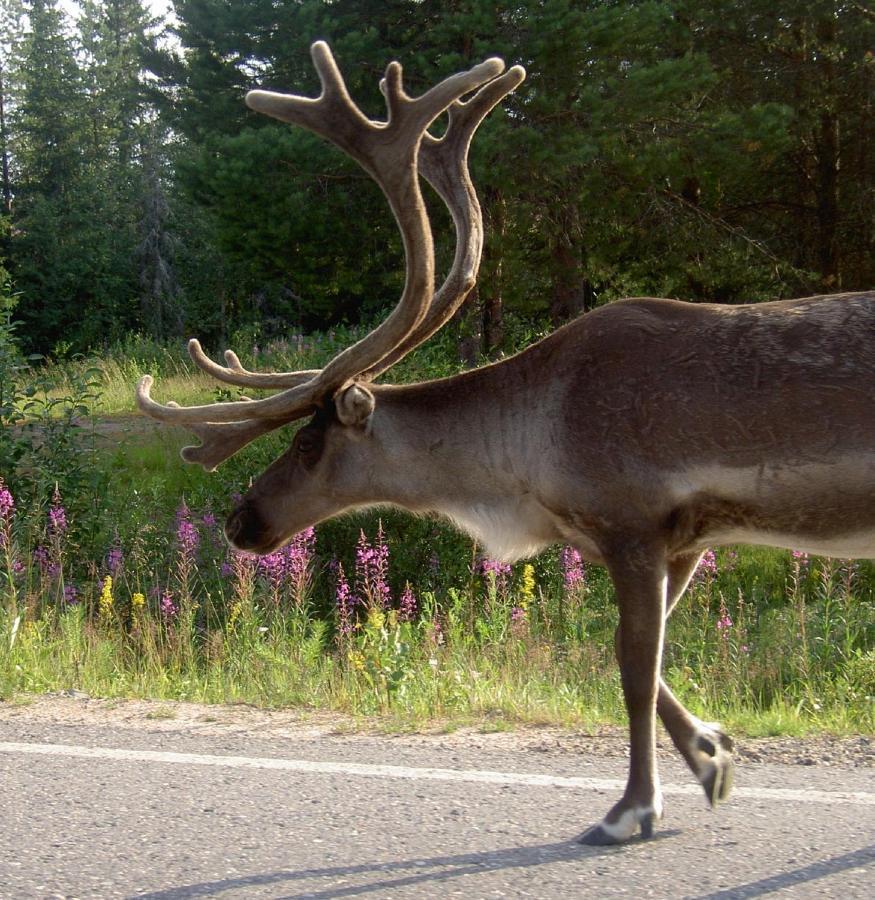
column 138, row 601
column 106, row 600
column 234, row 615
column 527, row 590
column 356, row 660
column 376, row 617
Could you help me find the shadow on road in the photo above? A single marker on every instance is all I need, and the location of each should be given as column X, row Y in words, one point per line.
column 862, row 857
column 448, row 867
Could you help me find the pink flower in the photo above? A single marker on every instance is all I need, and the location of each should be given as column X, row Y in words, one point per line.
column 57, row 515
column 344, row 599
column 168, row 608
column 494, row 567
column 407, row 604
column 372, row 568
column 186, row 532
column 114, row 558
column 291, row 563
column 7, row 508
column 572, row 567
column 707, row 565
column 7, row 501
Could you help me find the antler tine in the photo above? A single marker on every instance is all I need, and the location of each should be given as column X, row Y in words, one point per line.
column 332, row 115
column 443, row 162
column 220, row 441
column 285, row 407
column 235, row 374
column 389, row 151
column 420, row 112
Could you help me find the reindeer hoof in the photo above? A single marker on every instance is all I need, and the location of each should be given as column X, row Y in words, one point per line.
column 601, row 835
column 717, row 777
column 596, row 836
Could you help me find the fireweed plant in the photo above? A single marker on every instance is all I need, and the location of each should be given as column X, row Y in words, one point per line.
column 115, row 579
column 183, row 615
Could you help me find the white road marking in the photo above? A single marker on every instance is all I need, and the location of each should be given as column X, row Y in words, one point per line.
column 366, row 770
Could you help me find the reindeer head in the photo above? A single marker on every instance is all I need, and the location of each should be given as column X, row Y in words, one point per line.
column 309, row 482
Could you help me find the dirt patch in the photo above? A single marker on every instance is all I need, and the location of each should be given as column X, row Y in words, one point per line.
column 76, row 708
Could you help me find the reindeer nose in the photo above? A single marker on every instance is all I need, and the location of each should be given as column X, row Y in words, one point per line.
column 245, row 529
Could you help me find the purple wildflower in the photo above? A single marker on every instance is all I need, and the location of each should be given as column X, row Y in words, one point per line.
column 209, row 520
column 300, row 552
column 71, row 594
column 7, row 501
column 41, row 557
column 290, row 564
column 186, row 532
column 517, row 615
column 7, row 508
column 707, row 565
column 168, row 608
column 407, row 604
column 345, row 601
column 271, row 565
column 572, row 568
column 115, row 557
column 494, row 567
column 57, row 515
column 495, row 573
column 371, row 569
column 724, row 623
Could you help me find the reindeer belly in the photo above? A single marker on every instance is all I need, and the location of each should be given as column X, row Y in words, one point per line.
column 819, row 508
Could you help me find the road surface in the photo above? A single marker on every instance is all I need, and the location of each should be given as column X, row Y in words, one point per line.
column 154, row 808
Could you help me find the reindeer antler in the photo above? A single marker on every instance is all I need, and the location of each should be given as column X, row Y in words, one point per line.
column 392, row 153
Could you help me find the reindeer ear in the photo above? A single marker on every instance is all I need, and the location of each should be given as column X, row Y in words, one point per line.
column 354, row 405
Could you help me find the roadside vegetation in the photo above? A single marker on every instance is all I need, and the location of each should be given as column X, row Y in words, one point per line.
column 115, row 580
column 717, row 152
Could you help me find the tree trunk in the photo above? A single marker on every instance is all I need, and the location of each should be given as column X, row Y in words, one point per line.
column 4, row 148
column 567, row 299
column 828, row 163
column 491, row 300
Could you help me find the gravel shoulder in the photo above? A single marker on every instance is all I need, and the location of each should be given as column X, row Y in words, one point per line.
column 75, row 708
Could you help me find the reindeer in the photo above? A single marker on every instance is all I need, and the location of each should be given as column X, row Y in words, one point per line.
column 641, row 433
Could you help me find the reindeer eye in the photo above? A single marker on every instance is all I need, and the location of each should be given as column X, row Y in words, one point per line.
column 306, row 443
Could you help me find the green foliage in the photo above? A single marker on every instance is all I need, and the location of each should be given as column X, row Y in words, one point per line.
column 12, row 445
column 765, row 639
column 706, row 151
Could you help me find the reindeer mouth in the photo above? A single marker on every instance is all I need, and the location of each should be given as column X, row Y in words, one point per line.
column 245, row 530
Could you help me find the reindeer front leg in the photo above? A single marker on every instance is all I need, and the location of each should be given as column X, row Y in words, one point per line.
column 639, row 574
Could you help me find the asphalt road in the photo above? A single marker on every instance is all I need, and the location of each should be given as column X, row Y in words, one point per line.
column 94, row 811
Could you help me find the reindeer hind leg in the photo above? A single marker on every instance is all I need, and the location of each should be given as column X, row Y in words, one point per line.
column 705, row 747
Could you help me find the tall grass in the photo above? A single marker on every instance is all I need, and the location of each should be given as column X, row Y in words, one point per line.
column 119, row 584
column 764, row 639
